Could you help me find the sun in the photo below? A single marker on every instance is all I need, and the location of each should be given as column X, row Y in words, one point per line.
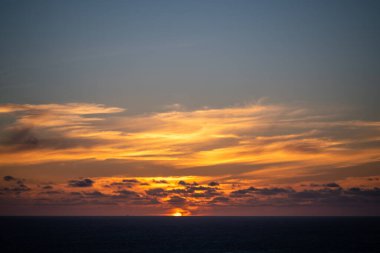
column 177, row 214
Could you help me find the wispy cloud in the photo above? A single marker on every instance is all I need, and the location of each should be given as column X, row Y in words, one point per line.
column 251, row 134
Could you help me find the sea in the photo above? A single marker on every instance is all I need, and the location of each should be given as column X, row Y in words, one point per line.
column 190, row 234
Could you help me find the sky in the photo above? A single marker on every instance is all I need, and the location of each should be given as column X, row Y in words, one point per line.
column 189, row 107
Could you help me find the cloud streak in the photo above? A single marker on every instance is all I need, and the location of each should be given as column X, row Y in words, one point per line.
column 247, row 135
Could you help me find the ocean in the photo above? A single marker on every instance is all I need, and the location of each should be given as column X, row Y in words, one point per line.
column 190, row 234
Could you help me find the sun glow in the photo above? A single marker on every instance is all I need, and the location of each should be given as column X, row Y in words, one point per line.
column 177, row 214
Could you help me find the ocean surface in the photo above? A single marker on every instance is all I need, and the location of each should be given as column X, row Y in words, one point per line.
column 190, row 234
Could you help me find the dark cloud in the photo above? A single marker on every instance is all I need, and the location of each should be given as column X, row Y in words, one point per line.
column 213, row 183
column 287, row 197
column 127, row 194
column 195, row 191
column 162, row 181
column 332, row 185
column 211, row 192
column 332, row 196
column 132, row 181
column 20, row 136
column 375, row 192
column 120, row 185
column 17, row 189
column 154, row 201
column 145, row 201
column 242, row 192
column 183, row 183
column 177, row 201
column 47, row 187
column 178, row 191
column 24, row 138
column 9, row 178
column 81, row 183
column 335, row 197
column 261, row 191
column 316, row 194
column 273, row 191
column 53, row 192
column 308, row 194
column 220, row 199
column 192, row 188
column 129, row 183
column 94, row 194
column 159, row 192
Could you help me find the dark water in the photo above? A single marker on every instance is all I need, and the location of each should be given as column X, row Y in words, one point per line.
column 189, row 234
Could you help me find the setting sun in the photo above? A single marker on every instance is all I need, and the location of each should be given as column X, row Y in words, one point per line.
column 177, row 214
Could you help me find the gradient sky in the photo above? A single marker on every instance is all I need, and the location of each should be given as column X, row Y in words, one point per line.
column 197, row 107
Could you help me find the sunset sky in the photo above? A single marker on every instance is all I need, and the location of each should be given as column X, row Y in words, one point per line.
column 205, row 107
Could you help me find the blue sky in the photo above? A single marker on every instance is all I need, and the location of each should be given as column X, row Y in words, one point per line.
column 144, row 55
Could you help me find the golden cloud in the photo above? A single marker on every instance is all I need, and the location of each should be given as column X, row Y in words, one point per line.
column 250, row 135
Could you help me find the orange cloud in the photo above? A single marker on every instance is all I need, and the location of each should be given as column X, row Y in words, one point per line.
column 296, row 141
